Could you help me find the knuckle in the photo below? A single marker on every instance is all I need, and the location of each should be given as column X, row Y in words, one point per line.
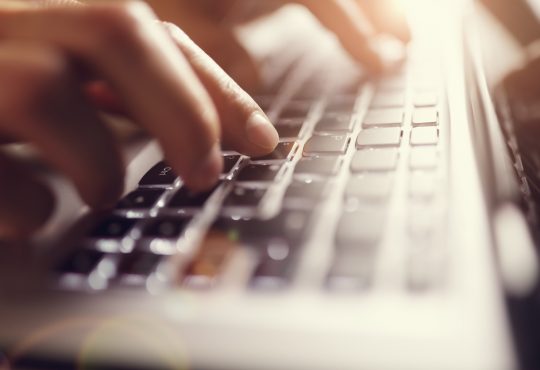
column 33, row 75
column 118, row 25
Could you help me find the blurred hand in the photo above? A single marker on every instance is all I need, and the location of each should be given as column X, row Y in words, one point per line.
column 61, row 63
column 354, row 22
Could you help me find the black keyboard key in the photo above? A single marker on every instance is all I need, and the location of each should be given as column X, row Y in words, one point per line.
column 289, row 225
column 214, row 251
column 258, row 172
column 295, row 109
column 281, row 152
column 141, row 199
column 289, row 128
column 165, row 227
column 139, row 263
column 82, row 262
column 274, row 269
column 185, row 198
column 113, row 227
column 229, row 162
column 245, row 197
column 160, row 174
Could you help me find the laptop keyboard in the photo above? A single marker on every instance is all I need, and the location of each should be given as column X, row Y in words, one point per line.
column 376, row 157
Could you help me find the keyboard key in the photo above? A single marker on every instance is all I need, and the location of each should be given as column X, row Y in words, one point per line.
column 289, row 128
column 113, row 227
column 242, row 196
column 336, row 122
column 295, row 109
column 350, row 272
column 275, row 267
column 185, row 198
column 310, row 190
column 324, row 166
column 424, row 136
column 425, row 99
column 374, row 160
column 422, row 185
column 425, row 117
column 139, row 263
column 141, row 199
column 360, row 229
column 423, row 158
column 282, row 152
column 160, row 174
column 82, row 262
column 341, row 104
column 213, row 253
column 390, row 136
column 258, row 173
column 229, row 162
column 369, row 187
column 383, row 117
column 388, row 100
column 333, row 144
column 165, row 227
column 289, row 225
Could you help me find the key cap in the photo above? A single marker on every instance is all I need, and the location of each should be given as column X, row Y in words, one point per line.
column 425, row 117
column 281, row 152
column 310, row 190
column 141, row 199
column 289, row 128
column 336, row 122
column 295, row 109
column 213, row 253
column 390, row 136
column 139, row 263
column 388, row 100
column 333, row 144
column 229, row 162
column 374, row 160
column 422, row 185
column 323, row 166
column 275, row 267
column 185, row 198
column 422, row 158
column 341, row 104
column 425, row 99
column 242, row 196
column 424, row 136
column 289, row 225
column 113, row 227
column 350, row 272
column 83, row 262
column 360, row 229
column 383, row 117
column 369, row 187
column 160, row 174
column 165, row 227
column 258, row 173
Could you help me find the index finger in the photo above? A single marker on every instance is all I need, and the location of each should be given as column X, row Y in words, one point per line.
column 346, row 20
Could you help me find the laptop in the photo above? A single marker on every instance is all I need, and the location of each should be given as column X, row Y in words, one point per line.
column 386, row 231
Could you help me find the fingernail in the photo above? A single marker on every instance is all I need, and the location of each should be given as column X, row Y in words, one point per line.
column 207, row 173
column 261, row 132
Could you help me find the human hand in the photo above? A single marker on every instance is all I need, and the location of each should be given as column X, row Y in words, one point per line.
column 354, row 22
column 61, row 63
